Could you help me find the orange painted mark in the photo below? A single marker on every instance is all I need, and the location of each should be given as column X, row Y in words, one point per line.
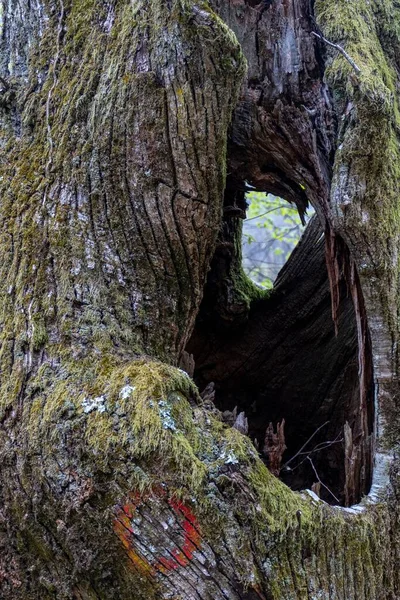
column 128, row 510
column 125, row 535
column 168, row 561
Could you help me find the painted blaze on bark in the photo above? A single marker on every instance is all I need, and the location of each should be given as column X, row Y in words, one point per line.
column 118, row 480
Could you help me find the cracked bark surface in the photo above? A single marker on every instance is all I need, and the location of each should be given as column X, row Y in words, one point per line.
column 117, row 132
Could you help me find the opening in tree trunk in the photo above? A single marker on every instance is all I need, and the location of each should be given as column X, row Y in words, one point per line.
column 289, row 359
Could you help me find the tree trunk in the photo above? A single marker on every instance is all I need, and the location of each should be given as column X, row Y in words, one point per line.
column 130, row 132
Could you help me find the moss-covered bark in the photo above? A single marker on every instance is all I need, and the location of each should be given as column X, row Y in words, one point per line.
column 112, row 187
column 117, row 479
column 365, row 187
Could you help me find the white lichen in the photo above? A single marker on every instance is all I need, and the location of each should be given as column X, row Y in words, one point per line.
column 126, row 392
column 165, row 413
column 91, row 404
column 229, row 458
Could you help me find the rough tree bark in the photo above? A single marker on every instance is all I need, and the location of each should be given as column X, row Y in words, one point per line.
column 129, row 132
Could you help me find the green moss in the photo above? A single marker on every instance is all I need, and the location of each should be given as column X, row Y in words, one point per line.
column 367, row 164
column 40, row 336
column 71, row 146
column 370, row 141
column 148, row 417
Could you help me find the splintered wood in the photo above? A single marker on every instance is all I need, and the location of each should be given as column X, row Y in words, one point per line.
column 274, row 447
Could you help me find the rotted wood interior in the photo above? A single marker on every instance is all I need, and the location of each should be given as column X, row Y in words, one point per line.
column 302, row 353
column 280, row 359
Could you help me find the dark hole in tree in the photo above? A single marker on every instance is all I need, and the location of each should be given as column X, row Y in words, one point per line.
column 276, row 357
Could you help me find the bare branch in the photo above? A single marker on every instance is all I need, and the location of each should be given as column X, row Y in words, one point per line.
column 317, row 448
column 340, row 49
column 305, row 445
column 321, row 482
column 323, row 445
column 267, row 212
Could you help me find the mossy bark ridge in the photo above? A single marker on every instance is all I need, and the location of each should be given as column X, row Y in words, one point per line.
column 122, row 123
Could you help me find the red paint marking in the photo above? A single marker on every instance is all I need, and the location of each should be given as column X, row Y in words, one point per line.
column 169, row 563
column 128, row 510
column 177, row 505
column 179, row 557
column 126, row 521
column 192, row 535
column 191, row 532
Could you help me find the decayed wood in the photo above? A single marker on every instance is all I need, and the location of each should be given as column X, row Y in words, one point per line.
column 283, row 132
column 286, row 362
column 241, row 423
column 274, row 447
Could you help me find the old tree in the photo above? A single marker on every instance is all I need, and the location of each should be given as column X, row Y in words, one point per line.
column 130, row 131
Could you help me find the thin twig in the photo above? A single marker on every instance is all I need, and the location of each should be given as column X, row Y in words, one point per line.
column 321, row 482
column 267, row 212
column 304, row 445
column 317, row 448
column 323, row 445
column 340, row 49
